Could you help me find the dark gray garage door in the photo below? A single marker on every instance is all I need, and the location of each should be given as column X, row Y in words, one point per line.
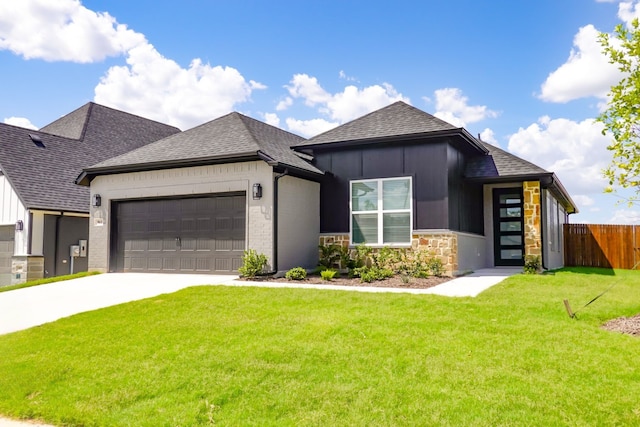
column 7, row 236
column 192, row 235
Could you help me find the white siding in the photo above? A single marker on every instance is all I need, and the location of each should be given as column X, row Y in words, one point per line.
column 11, row 211
column 184, row 181
column 298, row 223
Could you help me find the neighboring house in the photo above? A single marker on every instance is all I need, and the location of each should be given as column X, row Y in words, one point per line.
column 42, row 211
column 397, row 177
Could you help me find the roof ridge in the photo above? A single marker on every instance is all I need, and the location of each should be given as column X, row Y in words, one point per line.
column 87, row 119
column 248, row 128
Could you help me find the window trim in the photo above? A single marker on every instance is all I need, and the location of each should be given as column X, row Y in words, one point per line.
column 380, row 211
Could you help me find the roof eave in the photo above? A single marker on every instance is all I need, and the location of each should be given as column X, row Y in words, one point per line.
column 88, row 174
column 547, row 180
column 392, row 138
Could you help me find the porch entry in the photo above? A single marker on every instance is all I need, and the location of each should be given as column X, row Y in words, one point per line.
column 508, row 227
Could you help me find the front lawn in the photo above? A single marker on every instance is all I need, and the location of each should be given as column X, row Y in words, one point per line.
column 256, row 356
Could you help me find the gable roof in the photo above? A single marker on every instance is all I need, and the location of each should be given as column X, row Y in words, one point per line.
column 227, row 138
column 396, row 120
column 43, row 176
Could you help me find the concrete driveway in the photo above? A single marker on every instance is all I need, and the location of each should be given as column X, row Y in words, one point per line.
column 28, row 307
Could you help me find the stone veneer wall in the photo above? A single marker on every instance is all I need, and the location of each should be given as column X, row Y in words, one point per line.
column 26, row 268
column 532, row 218
column 441, row 243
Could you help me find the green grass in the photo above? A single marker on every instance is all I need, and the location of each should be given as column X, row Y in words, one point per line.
column 47, row 280
column 291, row 357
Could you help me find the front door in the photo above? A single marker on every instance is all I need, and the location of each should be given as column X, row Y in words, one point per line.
column 508, row 226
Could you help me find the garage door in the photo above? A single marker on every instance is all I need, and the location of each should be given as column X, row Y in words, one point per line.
column 7, row 236
column 189, row 235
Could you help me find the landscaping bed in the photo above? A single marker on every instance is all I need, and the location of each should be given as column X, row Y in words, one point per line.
column 625, row 325
column 391, row 282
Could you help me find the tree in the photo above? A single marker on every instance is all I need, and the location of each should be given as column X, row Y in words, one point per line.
column 621, row 119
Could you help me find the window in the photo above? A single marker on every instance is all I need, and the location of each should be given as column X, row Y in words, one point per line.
column 381, row 211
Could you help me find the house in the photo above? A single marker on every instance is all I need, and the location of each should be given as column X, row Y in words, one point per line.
column 42, row 211
column 194, row 201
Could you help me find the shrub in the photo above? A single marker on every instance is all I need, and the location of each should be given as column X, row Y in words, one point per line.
column 435, row 266
column 532, row 264
column 369, row 274
column 253, row 263
column 296, row 273
column 329, row 255
column 328, row 274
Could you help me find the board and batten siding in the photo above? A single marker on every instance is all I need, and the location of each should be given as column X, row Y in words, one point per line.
column 11, row 211
column 298, row 223
column 184, row 182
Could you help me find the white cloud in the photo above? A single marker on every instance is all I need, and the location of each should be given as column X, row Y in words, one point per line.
column 308, row 128
column 628, row 11
column 575, row 151
column 489, row 136
column 272, row 119
column 62, row 30
column 586, row 73
column 157, row 87
column 284, row 104
column 343, row 106
column 149, row 84
column 344, row 76
column 582, row 200
column 20, row 121
column 625, row 216
column 452, row 107
column 340, row 107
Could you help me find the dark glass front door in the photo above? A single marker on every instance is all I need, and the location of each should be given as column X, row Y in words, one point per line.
column 508, row 226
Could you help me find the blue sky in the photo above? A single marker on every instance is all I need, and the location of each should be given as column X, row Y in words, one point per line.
column 526, row 75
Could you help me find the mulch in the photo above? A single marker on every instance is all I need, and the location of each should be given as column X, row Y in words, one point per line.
column 393, row 282
column 624, row 325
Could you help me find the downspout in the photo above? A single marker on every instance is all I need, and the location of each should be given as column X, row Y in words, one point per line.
column 55, row 246
column 30, row 231
column 274, row 267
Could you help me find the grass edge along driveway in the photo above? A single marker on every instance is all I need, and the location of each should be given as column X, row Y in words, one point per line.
column 253, row 356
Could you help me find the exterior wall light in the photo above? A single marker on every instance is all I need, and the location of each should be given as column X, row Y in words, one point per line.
column 19, row 225
column 96, row 201
column 257, row 191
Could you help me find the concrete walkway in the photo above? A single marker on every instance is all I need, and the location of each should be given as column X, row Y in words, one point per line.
column 28, row 307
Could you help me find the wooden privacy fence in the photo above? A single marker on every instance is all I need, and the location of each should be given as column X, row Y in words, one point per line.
column 597, row 245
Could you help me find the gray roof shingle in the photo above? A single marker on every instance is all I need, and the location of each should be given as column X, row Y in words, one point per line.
column 44, row 177
column 397, row 119
column 500, row 163
column 229, row 136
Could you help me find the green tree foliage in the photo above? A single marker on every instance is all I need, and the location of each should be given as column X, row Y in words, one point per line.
column 621, row 118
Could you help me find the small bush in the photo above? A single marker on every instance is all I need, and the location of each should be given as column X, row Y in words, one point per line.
column 253, row 263
column 329, row 255
column 328, row 274
column 296, row 273
column 435, row 266
column 532, row 264
column 369, row 274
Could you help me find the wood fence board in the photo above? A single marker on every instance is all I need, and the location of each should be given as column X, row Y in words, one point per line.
column 599, row 245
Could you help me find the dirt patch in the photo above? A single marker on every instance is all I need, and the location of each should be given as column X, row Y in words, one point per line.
column 625, row 325
column 393, row 282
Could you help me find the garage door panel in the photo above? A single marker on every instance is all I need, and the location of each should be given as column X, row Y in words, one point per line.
column 205, row 234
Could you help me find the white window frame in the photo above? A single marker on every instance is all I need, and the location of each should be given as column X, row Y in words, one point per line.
column 381, row 211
